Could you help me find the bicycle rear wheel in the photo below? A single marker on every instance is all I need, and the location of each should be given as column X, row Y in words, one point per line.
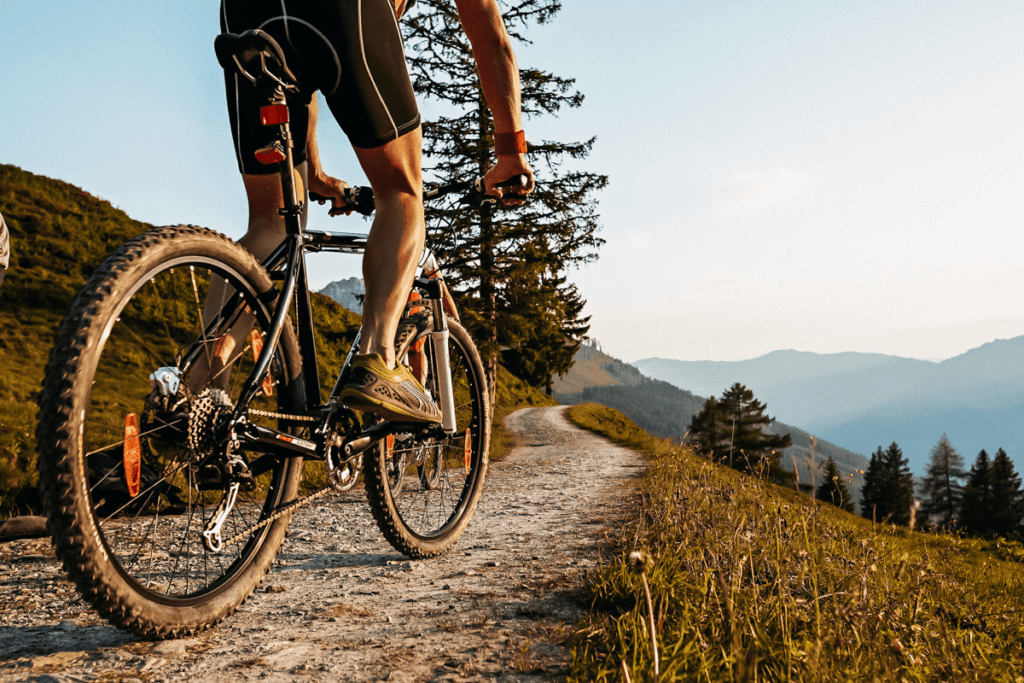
column 132, row 476
column 438, row 498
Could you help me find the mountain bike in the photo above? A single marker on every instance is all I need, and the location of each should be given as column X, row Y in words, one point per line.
column 183, row 396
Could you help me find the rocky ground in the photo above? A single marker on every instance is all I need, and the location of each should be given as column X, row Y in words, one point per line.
column 342, row 605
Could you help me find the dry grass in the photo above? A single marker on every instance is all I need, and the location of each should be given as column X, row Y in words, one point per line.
column 753, row 582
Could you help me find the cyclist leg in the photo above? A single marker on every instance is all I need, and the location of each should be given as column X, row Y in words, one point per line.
column 266, row 226
column 395, row 243
column 265, row 232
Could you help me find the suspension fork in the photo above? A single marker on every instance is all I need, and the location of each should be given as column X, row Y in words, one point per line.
column 439, row 342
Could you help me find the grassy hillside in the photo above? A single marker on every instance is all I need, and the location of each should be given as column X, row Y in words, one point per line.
column 589, row 370
column 750, row 581
column 59, row 234
column 665, row 411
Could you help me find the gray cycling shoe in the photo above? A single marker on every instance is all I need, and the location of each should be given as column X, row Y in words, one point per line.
column 393, row 394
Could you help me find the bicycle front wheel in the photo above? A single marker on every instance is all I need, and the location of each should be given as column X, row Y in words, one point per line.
column 446, row 475
column 133, row 469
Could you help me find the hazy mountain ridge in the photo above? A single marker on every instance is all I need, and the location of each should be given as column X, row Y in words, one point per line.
column 867, row 400
column 666, row 410
column 347, row 292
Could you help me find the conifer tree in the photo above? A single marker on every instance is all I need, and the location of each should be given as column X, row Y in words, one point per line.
column 549, row 344
column 888, row 491
column 897, row 494
column 832, row 488
column 942, row 488
column 731, row 430
column 1006, row 496
column 491, row 252
column 976, row 504
column 869, row 492
column 706, row 430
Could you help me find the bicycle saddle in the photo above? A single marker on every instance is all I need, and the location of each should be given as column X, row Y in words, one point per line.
column 258, row 57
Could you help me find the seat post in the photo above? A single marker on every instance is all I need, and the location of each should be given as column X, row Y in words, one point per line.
column 276, row 113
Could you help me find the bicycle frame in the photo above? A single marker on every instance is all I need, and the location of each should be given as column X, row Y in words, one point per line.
column 287, row 264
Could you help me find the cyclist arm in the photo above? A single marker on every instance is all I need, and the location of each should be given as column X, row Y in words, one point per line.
column 499, row 78
column 320, row 182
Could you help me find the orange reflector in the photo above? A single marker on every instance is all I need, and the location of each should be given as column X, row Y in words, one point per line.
column 274, row 114
column 417, row 345
column 468, row 451
column 389, row 445
column 270, row 155
column 132, row 453
column 257, row 349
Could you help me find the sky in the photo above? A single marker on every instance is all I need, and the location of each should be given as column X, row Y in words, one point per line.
column 792, row 174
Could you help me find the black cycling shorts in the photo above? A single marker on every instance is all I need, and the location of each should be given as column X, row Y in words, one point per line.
column 349, row 50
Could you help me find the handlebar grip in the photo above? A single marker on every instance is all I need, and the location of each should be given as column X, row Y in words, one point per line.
column 520, row 180
column 358, row 199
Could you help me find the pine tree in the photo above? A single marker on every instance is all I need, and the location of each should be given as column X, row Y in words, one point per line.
column 942, row 488
column 869, row 492
column 505, row 263
column 550, row 343
column 750, row 446
column 706, row 430
column 1006, row 496
column 832, row 488
column 976, row 504
column 731, row 430
column 888, row 491
column 897, row 492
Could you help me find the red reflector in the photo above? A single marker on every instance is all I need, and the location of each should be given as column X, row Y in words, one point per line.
column 468, row 451
column 257, row 349
column 389, row 445
column 132, row 453
column 274, row 114
column 269, row 155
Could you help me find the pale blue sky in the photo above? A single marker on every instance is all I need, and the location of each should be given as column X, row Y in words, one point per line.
column 796, row 174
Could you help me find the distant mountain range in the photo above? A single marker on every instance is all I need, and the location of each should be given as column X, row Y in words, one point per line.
column 349, row 293
column 863, row 400
column 666, row 410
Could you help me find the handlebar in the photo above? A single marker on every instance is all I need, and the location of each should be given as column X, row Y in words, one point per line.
column 360, row 199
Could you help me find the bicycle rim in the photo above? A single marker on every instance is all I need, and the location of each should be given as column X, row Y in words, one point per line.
column 444, row 477
column 147, row 475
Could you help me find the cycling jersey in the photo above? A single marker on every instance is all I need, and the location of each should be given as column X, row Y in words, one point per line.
column 349, row 50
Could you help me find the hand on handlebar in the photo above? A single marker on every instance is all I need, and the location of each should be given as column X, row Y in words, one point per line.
column 322, row 189
column 506, row 168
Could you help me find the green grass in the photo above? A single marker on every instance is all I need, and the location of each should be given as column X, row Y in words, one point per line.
column 754, row 582
column 59, row 233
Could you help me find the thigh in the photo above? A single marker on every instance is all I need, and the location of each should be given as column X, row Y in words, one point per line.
column 394, row 167
column 372, row 98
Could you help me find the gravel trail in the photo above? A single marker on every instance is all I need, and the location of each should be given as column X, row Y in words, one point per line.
column 340, row 604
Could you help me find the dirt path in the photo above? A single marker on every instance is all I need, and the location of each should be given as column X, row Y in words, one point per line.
column 342, row 605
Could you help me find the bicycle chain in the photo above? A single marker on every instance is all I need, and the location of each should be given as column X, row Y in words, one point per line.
column 283, row 416
column 294, row 505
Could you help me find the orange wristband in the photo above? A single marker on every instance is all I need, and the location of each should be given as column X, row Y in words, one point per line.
column 510, row 144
